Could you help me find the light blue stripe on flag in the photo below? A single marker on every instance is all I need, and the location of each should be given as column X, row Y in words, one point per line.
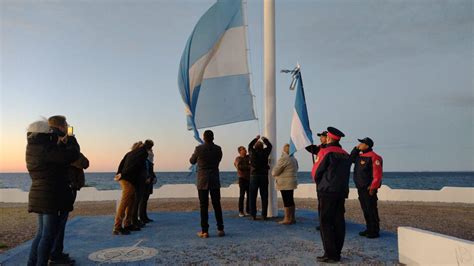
column 301, row 135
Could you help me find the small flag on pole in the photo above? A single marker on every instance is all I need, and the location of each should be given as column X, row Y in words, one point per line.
column 301, row 135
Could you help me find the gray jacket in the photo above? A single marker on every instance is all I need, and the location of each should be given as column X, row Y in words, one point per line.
column 207, row 156
column 285, row 172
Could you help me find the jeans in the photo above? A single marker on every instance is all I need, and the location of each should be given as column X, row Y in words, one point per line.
column 287, row 196
column 124, row 211
column 48, row 225
column 244, row 185
column 58, row 244
column 258, row 183
column 204, row 205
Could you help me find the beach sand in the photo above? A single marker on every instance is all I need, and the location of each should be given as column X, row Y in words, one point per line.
column 454, row 219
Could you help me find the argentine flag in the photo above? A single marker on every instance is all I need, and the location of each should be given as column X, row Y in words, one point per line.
column 213, row 76
column 301, row 135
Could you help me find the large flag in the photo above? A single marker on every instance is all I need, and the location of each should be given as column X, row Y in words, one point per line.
column 213, row 74
column 300, row 135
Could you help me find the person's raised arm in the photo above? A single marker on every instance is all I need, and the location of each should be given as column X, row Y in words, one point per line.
column 252, row 144
column 354, row 154
column 269, row 147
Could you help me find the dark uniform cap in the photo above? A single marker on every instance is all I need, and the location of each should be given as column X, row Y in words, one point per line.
column 336, row 132
column 324, row 133
column 367, row 141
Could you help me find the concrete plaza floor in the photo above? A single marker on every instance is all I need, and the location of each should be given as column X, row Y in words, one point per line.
column 172, row 239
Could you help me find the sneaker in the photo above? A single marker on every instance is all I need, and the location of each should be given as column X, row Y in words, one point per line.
column 121, row 231
column 363, row 233
column 132, row 228
column 202, row 234
column 220, row 233
column 321, row 258
column 241, row 214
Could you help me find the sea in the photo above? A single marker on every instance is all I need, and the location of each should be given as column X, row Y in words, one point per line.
column 395, row 180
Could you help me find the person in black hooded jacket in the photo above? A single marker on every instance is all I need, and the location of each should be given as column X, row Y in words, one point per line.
column 48, row 157
column 259, row 174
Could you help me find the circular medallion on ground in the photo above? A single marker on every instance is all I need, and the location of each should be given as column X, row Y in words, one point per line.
column 123, row 254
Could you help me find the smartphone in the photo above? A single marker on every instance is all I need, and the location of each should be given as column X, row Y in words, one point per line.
column 70, row 131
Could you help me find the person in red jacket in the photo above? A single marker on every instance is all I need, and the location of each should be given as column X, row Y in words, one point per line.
column 331, row 173
column 368, row 178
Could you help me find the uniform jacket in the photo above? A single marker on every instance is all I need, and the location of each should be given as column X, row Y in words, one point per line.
column 285, row 172
column 368, row 169
column 207, row 156
column 331, row 171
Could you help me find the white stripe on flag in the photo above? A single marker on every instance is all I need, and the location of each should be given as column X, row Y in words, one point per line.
column 298, row 135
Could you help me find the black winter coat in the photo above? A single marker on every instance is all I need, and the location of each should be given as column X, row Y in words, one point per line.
column 47, row 163
column 133, row 167
column 259, row 158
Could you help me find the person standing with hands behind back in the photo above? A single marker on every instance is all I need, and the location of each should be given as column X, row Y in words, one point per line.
column 259, row 174
column 208, row 156
column 367, row 178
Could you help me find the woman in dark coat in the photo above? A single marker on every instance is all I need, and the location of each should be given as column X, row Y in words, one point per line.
column 48, row 156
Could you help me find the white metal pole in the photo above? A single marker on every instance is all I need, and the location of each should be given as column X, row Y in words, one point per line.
column 270, row 95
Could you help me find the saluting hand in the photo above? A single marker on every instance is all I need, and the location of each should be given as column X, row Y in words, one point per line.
column 371, row 191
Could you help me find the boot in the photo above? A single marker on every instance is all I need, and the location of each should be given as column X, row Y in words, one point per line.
column 292, row 214
column 286, row 219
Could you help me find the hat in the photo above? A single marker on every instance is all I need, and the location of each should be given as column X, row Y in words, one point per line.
column 324, row 133
column 335, row 133
column 367, row 141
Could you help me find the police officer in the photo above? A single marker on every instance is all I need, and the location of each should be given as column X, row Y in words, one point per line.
column 314, row 149
column 331, row 173
column 367, row 178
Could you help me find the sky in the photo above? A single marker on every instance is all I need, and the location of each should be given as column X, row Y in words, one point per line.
column 400, row 72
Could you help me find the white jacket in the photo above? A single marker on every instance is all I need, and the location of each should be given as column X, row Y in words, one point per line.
column 285, row 172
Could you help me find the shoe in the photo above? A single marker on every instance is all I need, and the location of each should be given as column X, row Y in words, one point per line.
column 331, row 260
column 372, row 235
column 363, row 233
column 254, row 218
column 286, row 220
column 247, row 214
column 241, row 214
column 132, row 228
column 60, row 256
column 148, row 220
column 61, row 261
column 202, row 234
column 318, row 227
column 121, row 231
column 264, row 218
column 321, row 258
column 220, row 233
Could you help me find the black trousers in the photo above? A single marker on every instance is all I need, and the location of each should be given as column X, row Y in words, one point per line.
column 287, row 196
column 258, row 183
column 139, row 194
column 143, row 205
column 369, row 207
column 216, row 204
column 244, row 186
column 333, row 225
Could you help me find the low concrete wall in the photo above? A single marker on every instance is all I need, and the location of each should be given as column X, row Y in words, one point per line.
column 446, row 194
column 420, row 247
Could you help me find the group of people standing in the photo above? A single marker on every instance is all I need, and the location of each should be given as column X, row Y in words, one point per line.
column 56, row 167
column 330, row 172
column 136, row 176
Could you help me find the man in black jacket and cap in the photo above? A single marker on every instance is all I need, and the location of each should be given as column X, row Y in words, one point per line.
column 259, row 174
column 208, row 156
column 331, row 173
column 48, row 157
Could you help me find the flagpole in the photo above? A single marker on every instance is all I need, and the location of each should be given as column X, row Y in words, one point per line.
column 270, row 96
